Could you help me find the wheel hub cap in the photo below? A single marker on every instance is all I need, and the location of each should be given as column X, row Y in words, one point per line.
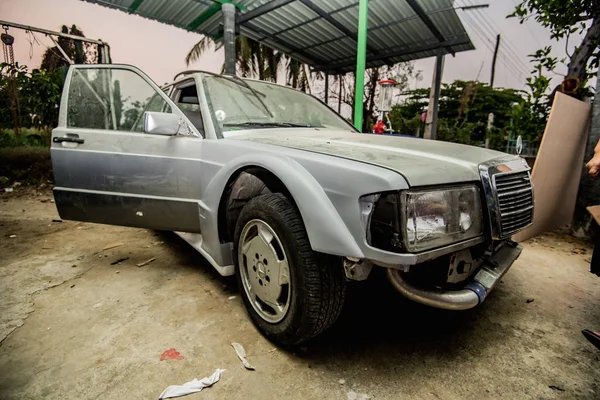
column 264, row 271
column 261, row 270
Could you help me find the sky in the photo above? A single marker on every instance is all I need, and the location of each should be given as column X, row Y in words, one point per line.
column 159, row 50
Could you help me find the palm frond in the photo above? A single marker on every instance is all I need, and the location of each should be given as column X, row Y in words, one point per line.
column 198, row 49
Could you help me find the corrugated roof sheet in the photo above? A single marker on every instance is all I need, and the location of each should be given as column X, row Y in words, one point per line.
column 398, row 30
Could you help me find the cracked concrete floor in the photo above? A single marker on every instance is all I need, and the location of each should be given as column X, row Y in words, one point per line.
column 73, row 326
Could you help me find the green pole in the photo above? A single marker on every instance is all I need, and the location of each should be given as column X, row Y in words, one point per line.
column 361, row 58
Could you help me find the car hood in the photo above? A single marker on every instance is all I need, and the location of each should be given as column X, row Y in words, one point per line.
column 420, row 161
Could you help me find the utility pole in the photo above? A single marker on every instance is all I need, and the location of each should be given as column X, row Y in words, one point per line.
column 434, row 98
column 494, row 60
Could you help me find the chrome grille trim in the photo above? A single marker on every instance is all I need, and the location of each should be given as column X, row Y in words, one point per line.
column 514, row 186
column 509, row 195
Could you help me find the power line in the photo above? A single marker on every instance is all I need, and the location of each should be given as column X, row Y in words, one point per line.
column 493, row 30
column 480, row 29
column 508, row 47
column 489, row 43
column 506, row 50
column 516, row 71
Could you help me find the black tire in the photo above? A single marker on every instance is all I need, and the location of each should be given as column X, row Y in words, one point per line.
column 317, row 282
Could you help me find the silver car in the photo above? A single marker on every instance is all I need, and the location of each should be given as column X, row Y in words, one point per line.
column 271, row 185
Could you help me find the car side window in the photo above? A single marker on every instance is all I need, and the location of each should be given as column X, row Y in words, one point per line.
column 111, row 99
column 186, row 98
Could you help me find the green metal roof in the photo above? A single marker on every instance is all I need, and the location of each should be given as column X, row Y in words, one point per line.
column 321, row 33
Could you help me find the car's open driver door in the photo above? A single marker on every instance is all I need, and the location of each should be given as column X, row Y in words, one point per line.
column 106, row 169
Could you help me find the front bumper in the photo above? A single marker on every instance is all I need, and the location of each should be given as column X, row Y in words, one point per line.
column 473, row 293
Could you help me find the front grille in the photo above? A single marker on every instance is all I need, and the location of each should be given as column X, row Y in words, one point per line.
column 515, row 201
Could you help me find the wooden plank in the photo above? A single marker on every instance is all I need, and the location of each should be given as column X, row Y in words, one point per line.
column 558, row 166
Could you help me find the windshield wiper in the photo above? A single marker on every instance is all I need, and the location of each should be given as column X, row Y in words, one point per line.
column 256, row 94
column 271, row 124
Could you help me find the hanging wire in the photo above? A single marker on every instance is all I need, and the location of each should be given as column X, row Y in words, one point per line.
column 491, row 27
column 514, row 60
column 32, row 39
column 487, row 42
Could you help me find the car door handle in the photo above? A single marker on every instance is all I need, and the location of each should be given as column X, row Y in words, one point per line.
column 72, row 139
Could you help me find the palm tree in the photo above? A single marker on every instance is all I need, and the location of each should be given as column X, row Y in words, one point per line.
column 257, row 60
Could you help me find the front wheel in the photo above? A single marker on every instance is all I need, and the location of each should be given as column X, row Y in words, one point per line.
column 291, row 292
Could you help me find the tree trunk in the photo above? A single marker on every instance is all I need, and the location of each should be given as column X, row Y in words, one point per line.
column 369, row 105
column 340, row 94
column 589, row 189
column 582, row 54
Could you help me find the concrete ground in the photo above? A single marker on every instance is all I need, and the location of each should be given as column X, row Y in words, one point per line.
column 73, row 326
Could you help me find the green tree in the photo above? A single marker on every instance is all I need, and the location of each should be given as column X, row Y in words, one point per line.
column 117, row 101
column 463, row 110
column 565, row 18
column 39, row 94
column 132, row 114
column 77, row 51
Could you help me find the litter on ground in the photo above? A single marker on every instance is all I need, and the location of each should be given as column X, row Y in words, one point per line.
column 112, row 245
column 241, row 353
column 193, row 386
column 146, row 262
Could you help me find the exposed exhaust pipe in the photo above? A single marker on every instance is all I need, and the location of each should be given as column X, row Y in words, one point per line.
column 473, row 293
column 446, row 299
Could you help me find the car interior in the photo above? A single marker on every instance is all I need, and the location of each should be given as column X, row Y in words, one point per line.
column 186, row 99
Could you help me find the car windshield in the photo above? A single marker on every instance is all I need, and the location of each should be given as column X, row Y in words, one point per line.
column 245, row 104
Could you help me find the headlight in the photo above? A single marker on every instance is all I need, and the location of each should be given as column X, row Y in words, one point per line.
column 438, row 217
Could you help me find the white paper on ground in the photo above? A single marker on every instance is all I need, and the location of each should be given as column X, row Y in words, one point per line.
column 193, row 386
column 241, row 353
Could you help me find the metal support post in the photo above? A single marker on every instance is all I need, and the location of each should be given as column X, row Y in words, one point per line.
column 361, row 59
column 228, row 11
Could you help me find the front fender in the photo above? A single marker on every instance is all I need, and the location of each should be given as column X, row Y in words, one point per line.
column 326, row 230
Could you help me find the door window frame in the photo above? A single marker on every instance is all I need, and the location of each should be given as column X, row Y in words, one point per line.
column 64, row 101
column 177, row 87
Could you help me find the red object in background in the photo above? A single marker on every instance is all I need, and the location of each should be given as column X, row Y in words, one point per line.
column 171, row 354
column 379, row 127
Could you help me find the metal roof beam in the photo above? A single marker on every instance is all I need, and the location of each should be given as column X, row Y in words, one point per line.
column 428, row 22
column 338, row 25
column 349, row 63
column 371, row 29
column 308, row 21
column 261, row 10
column 134, row 6
column 312, row 46
column 293, row 49
column 215, row 8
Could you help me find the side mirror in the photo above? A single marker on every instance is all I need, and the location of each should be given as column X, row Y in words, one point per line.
column 159, row 123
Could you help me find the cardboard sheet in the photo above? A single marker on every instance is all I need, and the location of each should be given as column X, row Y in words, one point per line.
column 558, row 166
column 595, row 212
